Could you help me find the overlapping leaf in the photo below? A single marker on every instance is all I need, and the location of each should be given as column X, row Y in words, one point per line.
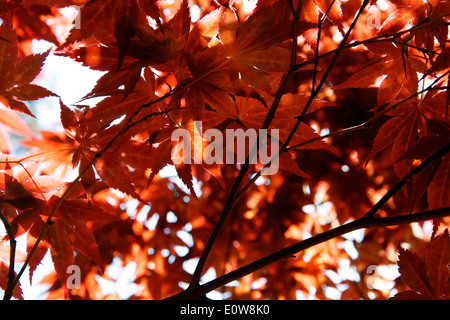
column 15, row 85
column 418, row 12
column 251, row 45
column 426, row 277
column 113, row 167
column 69, row 232
column 224, row 70
column 398, row 69
column 28, row 193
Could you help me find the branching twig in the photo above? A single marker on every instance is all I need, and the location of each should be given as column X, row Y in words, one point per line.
column 243, row 171
column 232, row 198
column 365, row 222
column 129, row 124
column 365, row 125
column 375, row 39
column 325, row 76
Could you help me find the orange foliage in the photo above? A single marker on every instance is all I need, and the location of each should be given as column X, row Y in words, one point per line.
column 358, row 92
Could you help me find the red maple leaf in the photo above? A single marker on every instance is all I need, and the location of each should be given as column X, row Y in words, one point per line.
column 427, row 278
column 416, row 12
column 17, row 74
column 69, row 231
column 398, row 69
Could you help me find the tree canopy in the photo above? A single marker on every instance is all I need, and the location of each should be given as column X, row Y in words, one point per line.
column 347, row 103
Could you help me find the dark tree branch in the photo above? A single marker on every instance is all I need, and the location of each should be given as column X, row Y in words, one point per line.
column 365, row 222
column 232, row 197
column 12, row 256
column 325, row 76
column 228, row 207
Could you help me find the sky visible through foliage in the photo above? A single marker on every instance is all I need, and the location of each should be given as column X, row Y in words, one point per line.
column 357, row 92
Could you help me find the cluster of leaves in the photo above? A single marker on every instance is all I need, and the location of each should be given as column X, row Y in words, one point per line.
column 363, row 128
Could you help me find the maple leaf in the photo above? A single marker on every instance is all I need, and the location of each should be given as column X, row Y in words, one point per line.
column 163, row 153
column 156, row 47
column 30, row 23
column 208, row 83
column 401, row 132
column 412, row 11
column 250, row 45
column 15, row 85
column 151, row 8
column 28, row 192
column 136, row 45
column 426, row 277
column 95, row 16
column 109, row 83
column 417, row 12
column 132, row 34
column 125, row 26
column 112, row 167
column 414, row 273
column 68, row 232
column 400, row 72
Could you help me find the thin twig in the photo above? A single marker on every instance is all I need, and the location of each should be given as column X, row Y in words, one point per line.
column 325, row 76
column 243, row 171
column 375, row 39
column 12, row 255
column 314, row 92
column 365, row 125
column 436, row 155
column 130, row 124
column 316, row 54
column 367, row 221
